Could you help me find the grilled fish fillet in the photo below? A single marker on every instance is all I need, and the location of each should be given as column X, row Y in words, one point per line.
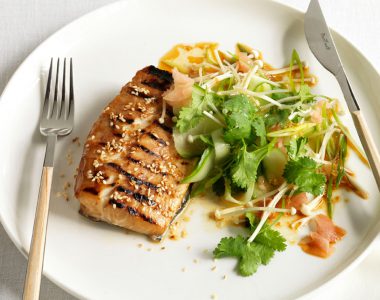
column 130, row 172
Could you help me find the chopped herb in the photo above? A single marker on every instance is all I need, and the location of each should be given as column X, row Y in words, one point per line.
column 303, row 173
column 251, row 255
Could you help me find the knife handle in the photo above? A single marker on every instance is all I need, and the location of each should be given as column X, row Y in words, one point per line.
column 368, row 144
column 361, row 125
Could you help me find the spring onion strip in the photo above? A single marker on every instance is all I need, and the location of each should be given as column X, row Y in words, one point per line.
column 266, row 214
column 283, row 100
column 285, row 70
column 309, row 79
column 211, row 117
column 248, row 78
column 331, row 130
column 206, row 77
column 219, row 61
column 209, row 84
column 278, row 91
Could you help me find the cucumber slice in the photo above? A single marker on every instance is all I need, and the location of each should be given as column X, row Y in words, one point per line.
column 184, row 147
column 222, row 149
column 203, row 168
column 274, row 164
column 181, row 140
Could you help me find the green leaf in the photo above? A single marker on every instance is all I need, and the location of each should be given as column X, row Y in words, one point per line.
column 296, row 148
column 251, row 255
column 230, row 246
column 303, row 173
column 239, row 113
column 249, row 263
column 276, row 116
column 271, row 238
column 244, row 168
column 258, row 125
column 191, row 115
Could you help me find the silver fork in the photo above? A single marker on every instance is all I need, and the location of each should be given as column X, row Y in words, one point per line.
column 57, row 119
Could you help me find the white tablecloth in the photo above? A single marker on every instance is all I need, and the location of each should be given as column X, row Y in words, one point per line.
column 26, row 23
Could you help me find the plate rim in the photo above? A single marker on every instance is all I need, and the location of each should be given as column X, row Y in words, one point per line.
column 313, row 291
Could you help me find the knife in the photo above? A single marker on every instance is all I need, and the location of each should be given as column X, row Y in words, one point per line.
column 322, row 45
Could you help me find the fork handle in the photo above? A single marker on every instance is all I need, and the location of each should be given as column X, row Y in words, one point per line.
column 37, row 247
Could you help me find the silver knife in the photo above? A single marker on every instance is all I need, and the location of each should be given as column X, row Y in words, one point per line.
column 322, row 45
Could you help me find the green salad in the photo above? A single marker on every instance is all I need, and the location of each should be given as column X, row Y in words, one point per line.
column 264, row 143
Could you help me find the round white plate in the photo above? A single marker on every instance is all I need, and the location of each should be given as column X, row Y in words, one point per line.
column 98, row 261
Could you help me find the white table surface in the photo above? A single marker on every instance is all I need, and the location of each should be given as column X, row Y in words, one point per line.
column 24, row 24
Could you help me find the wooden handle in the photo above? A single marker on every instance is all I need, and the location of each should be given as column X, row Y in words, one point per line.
column 37, row 248
column 368, row 144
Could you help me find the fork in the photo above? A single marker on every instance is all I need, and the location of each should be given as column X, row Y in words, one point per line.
column 57, row 119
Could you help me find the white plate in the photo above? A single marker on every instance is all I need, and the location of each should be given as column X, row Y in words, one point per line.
column 98, row 261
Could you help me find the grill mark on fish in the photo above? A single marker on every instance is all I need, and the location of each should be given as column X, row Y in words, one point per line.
column 138, row 162
column 146, row 150
column 138, row 197
column 164, row 127
column 161, row 74
column 117, row 203
column 131, row 177
column 117, row 134
column 135, row 213
column 155, row 84
column 156, row 138
column 148, row 219
column 132, row 211
column 91, row 190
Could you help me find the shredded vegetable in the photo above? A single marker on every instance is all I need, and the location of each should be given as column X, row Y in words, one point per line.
column 253, row 110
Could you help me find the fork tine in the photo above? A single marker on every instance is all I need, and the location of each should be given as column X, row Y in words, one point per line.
column 45, row 109
column 54, row 108
column 71, row 94
column 63, row 90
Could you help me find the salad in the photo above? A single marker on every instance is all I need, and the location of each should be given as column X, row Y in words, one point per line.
column 264, row 143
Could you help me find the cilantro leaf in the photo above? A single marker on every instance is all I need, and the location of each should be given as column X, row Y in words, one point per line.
column 276, row 116
column 191, row 115
column 271, row 238
column 244, row 167
column 239, row 113
column 303, row 173
column 296, row 148
column 258, row 125
column 230, row 246
column 251, row 255
column 249, row 263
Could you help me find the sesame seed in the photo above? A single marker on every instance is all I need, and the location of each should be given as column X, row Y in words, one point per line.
column 139, row 245
column 114, row 206
column 195, row 261
column 183, row 270
column 213, row 268
column 163, row 248
column 224, row 277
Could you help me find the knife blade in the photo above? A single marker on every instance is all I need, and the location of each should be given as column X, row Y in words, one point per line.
column 322, row 45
